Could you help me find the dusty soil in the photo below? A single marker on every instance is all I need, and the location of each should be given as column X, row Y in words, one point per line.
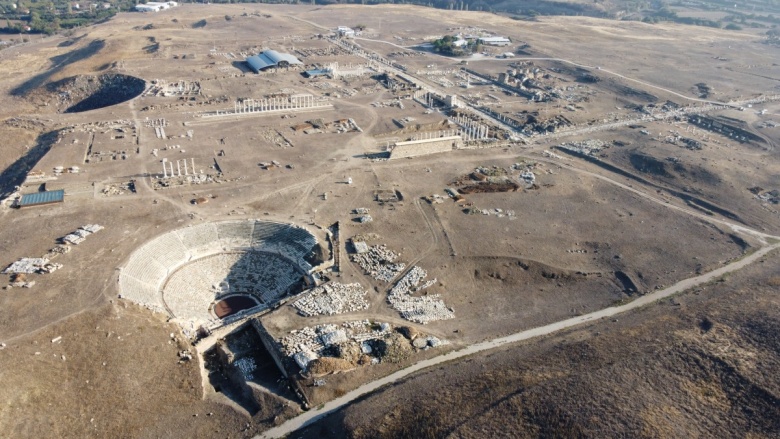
column 697, row 365
column 115, row 372
column 576, row 243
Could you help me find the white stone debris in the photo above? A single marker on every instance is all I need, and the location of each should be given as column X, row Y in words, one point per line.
column 417, row 309
column 435, row 342
column 26, row 265
column 332, row 298
column 312, row 341
column 81, row 234
column 360, row 246
column 92, row 228
column 587, row 147
column 247, row 367
column 378, row 263
column 73, row 239
column 334, row 337
column 304, row 357
column 420, row 343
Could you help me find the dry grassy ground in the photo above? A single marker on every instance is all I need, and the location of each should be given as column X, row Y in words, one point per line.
column 500, row 276
column 698, row 365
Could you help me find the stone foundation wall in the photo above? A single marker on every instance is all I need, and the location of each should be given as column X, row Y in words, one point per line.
column 416, row 148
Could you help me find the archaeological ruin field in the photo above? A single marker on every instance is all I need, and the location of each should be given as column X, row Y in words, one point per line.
column 234, row 220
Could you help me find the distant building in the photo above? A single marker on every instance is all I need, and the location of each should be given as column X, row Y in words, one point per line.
column 147, row 8
column 495, row 41
column 271, row 59
column 155, row 6
column 316, row 72
column 347, row 32
column 460, row 42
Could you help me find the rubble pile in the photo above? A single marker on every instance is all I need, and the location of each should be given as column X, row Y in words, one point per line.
column 378, row 263
column 276, row 138
column 766, row 196
column 587, row 147
column 247, row 366
column 19, row 280
column 330, row 348
column 122, row 188
column 310, row 343
column 332, row 298
column 684, row 142
column 417, row 309
column 30, row 265
column 43, row 265
column 80, row 235
column 175, row 181
column 528, row 177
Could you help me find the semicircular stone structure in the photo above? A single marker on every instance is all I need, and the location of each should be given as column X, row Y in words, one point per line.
column 184, row 272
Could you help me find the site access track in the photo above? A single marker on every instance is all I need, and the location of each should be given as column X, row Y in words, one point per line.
column 328, row 408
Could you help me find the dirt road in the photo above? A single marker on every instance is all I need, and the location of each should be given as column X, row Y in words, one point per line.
column 313, row 415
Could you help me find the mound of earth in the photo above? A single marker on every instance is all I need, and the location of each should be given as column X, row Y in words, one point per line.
column 516, row 271
column 328, row 365
column 86, row 92
column 394, row 348
column 408, row 332
column 671, row 170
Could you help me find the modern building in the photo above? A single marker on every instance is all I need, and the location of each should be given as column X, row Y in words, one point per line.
column 495, row 41
column 148, row 8
column 271, row 59
column 345, row 31
column 155, row 6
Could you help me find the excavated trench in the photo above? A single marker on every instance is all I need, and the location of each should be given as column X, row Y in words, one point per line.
column 85, row 92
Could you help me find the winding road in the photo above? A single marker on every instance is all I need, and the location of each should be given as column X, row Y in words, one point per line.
column 771, row 243
column 328, row 408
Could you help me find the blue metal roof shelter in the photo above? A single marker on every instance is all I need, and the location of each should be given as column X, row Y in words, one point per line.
column 42, row 198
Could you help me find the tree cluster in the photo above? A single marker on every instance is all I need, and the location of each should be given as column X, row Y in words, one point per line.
column 447, row 46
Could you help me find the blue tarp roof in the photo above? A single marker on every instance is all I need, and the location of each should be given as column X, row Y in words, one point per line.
column 47, row 197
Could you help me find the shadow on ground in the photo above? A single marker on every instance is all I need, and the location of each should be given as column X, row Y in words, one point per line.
column 15, row 174
column 58, row 62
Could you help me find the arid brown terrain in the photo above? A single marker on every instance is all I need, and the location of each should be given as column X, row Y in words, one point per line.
column 237, row 250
